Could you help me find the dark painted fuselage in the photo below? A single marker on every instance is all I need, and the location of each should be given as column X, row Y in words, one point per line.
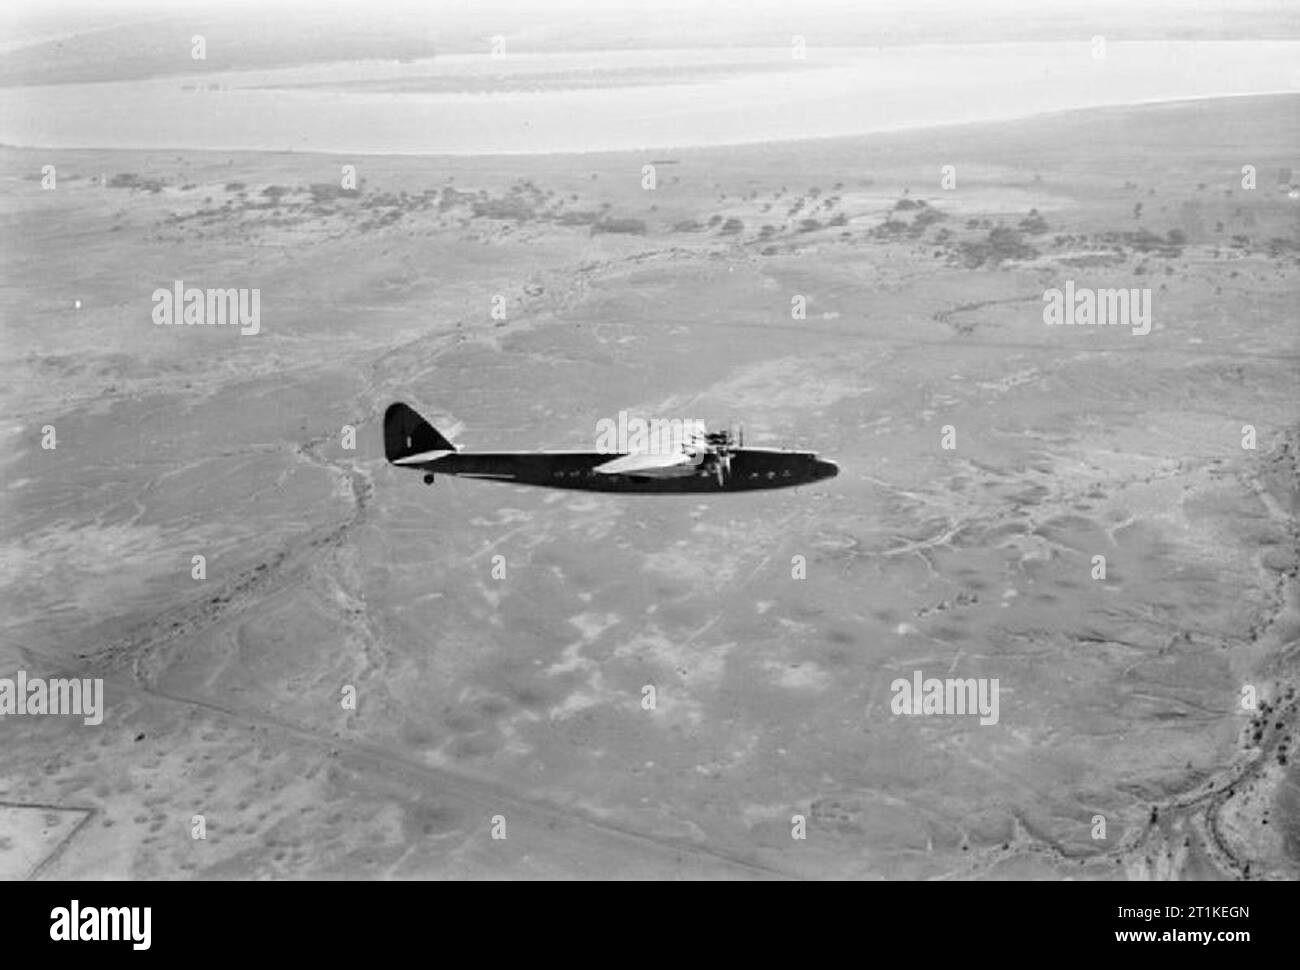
column 750, row 468
column 714, row 464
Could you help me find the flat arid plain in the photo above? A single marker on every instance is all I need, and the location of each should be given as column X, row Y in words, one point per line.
column 500, row 640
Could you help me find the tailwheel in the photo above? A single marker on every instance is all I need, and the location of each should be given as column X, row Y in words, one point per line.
column 428, row 479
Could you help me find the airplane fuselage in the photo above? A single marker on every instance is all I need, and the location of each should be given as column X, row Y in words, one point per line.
column 750, row 469
column 711, row 463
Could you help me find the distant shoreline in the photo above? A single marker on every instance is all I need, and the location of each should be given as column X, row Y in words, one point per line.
column 595, row 153
column 865, row 94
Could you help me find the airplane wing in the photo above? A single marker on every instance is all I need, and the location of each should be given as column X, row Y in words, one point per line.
column 651, row 466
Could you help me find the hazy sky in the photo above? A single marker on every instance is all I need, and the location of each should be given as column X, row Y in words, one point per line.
column 32, row 18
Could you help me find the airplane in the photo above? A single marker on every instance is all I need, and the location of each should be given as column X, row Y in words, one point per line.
column 705, row 462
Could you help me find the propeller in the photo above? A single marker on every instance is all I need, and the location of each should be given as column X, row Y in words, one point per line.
column 720, row 445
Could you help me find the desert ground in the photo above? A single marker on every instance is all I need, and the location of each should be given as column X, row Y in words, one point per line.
column 499, row 639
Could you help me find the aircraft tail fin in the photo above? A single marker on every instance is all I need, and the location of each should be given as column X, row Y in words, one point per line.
column 406, row 434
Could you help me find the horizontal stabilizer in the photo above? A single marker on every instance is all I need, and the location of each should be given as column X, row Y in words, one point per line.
column 423, row 457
